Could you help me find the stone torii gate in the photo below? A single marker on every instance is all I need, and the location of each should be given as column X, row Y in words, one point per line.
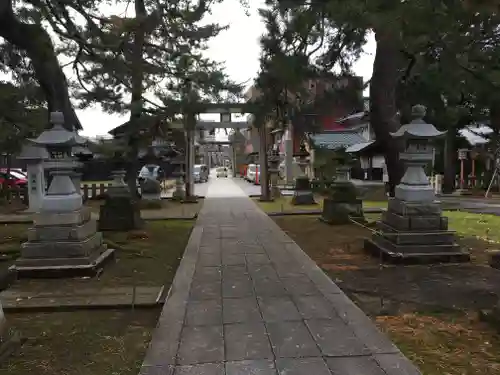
column 226, row 110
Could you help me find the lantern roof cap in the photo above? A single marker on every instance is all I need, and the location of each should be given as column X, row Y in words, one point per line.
column 30, row 151
column 57, row 135
column 418, row 128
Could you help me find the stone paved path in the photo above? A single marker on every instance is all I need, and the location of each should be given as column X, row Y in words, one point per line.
column 246, row 300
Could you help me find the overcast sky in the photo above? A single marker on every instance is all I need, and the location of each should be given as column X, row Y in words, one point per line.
column 238, row 47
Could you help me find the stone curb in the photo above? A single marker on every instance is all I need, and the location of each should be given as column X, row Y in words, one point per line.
column 163, row 347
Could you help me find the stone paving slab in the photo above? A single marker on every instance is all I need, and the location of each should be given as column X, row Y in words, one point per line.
column 247, row 300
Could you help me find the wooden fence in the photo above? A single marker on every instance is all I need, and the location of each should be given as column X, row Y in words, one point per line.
column 93, row 191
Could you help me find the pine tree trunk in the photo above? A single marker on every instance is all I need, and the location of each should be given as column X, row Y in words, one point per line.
column 38, row 46
column 383, row 111
column 265, row 194
column 136, row 100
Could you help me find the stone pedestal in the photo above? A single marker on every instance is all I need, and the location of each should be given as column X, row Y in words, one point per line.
column 120, row 212
column 62, row 244
column 416, row 232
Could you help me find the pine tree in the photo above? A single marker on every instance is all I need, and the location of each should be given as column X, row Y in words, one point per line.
column 140, row 63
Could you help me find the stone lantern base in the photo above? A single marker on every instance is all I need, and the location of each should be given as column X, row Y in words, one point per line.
column 415, row 232
column 62, row 244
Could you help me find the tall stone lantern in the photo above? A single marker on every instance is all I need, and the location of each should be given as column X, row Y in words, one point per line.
column 303, row 194
column 63, row 240
column 412, row 228
column 274, row 162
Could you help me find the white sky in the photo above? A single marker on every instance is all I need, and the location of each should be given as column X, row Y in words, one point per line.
column 238, row 47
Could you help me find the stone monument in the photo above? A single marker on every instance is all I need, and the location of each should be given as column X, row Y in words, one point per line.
column 303, row 194
column 150, row 186
column 274, row 162
column 341, row 203
column 120, row 211
column 82, row 153
column 63, row 240
column 413, row 228
column 34, row 157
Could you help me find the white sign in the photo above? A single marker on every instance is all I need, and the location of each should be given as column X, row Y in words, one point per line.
column 225, row 117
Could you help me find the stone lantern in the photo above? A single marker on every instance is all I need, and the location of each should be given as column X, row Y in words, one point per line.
column 412, row 228
column 63, row 240
column 303, row 194
column 34, row 157
column 274, row 162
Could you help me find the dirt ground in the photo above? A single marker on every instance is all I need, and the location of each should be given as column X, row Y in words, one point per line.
column 428, row 310
column 81, row 342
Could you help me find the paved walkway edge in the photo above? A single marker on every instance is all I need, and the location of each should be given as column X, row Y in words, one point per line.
column 387, row 355
column 163, row 347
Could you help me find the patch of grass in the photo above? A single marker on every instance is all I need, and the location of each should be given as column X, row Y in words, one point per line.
column 374, row 204
column 481, row 226
column 11, row 238
column 284, row 204
column 81, row 342
column 452, row 344
column 148, row 257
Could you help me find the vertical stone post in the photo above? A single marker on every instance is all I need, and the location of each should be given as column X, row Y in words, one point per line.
column 274, row 161
column 34, row 157
column 462, row 156
column 303, row 194
column 288, row 145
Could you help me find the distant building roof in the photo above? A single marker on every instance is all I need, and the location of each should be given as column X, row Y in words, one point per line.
column 334, row 140
column 358, row 147
column 474, row 134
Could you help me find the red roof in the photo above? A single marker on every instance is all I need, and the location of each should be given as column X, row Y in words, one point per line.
column 331, row 123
